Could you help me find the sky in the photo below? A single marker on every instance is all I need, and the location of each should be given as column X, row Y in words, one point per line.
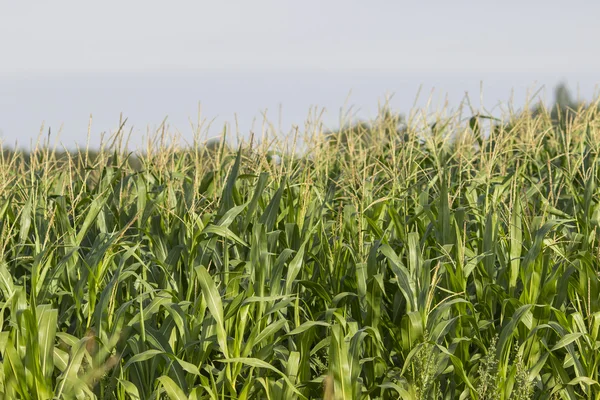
column 63, row 60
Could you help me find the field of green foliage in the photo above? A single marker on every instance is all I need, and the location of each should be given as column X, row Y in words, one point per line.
column 440, row 258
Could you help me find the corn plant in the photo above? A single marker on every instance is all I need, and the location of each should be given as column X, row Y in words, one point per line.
column 443, row 260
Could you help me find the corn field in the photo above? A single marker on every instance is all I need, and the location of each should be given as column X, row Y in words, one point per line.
column 457, row 260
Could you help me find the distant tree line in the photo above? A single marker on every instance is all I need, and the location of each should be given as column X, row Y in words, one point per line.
column 388, row 127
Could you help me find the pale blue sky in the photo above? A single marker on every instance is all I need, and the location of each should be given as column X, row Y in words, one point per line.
column 62, row 60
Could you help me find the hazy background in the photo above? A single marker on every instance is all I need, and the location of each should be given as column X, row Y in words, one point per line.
column 61, row 61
